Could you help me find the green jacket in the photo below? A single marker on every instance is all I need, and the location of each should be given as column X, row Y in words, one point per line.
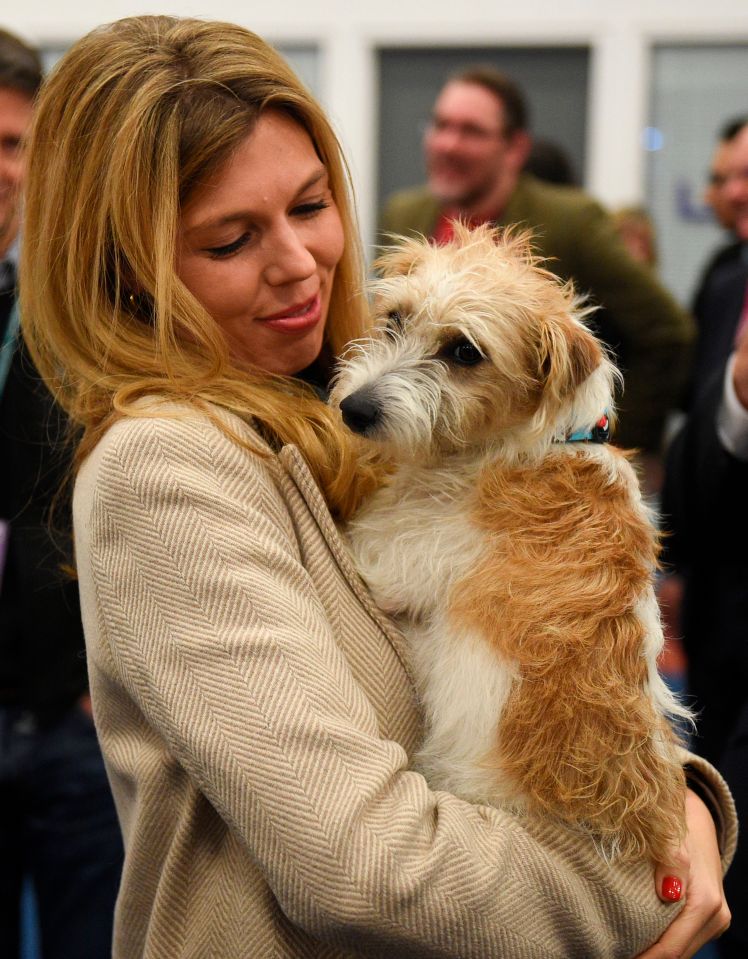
column 650, row 334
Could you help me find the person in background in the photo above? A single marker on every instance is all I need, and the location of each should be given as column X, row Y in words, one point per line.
column 719, row 290
column 255, row 709
column 476, row 148
column 636, row 229
column 57, row 819
column 714, row 195
column 704, row 507
column 549, row 161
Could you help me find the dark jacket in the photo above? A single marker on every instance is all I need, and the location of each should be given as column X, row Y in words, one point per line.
column 706, row 510
column 42, row 664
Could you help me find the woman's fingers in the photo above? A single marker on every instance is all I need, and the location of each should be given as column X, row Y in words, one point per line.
column 671, row 879
column 694, row 874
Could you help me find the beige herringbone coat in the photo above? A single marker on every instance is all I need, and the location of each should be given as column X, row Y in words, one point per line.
column 256, row 717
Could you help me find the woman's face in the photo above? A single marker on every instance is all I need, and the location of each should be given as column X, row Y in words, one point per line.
column 258, row 246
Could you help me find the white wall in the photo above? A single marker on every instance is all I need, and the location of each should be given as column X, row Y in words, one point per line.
column 620, row 33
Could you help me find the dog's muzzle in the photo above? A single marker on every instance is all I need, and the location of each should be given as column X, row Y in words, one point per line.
column 361, row 412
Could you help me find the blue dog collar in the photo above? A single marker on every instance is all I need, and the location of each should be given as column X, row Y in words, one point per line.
column 600, row 433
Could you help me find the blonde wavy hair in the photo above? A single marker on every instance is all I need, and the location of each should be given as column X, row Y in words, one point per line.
column 134, row 117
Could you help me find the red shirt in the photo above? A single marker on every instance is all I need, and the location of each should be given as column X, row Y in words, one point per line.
column 444, row 229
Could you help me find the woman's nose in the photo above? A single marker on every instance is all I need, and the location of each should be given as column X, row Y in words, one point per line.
column 288, row 258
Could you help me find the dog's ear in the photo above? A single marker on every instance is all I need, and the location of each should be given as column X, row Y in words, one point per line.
column 400, row 258
column 568, row 354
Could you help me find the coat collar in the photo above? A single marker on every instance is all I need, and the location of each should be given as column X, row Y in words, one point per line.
column 296, row 468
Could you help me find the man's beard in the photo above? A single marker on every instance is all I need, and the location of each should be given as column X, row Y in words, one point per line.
column 464, row 197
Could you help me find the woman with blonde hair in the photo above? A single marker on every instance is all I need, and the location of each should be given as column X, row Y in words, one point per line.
column 190, row 271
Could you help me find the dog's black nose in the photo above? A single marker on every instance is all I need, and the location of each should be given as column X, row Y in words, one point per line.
column 360, row 412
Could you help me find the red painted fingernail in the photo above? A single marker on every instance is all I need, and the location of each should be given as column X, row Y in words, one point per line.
column 672, row 888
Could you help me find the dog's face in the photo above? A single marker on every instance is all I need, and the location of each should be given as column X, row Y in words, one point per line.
column 474, row 345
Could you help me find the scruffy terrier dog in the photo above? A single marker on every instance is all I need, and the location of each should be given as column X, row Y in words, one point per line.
column 513, row 544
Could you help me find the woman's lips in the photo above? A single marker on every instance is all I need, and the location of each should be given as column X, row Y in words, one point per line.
column 296, row 318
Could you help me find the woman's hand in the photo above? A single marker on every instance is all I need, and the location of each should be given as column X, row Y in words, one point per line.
column 697, row 868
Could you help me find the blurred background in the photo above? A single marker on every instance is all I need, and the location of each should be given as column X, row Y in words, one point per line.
column 635, row 92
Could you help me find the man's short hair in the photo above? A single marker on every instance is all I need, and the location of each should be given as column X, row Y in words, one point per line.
column 732, row 128
column 516, row 114
column 20, row 65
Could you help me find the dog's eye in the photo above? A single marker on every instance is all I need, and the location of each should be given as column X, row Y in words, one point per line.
column 394, row 324
column 464, row 353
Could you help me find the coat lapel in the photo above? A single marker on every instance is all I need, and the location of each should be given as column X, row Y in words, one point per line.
column 295, row 466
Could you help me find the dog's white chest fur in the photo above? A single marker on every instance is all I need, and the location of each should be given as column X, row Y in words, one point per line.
column 413, row 540
column 413, row 544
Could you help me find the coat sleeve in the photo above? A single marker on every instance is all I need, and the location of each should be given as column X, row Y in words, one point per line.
column 216, row 632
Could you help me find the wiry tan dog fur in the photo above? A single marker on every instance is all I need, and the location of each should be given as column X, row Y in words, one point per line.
column 520, row 565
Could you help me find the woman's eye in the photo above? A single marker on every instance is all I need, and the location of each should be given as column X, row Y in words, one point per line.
column 217, row 252
column 465, row 353
column 310, row 209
